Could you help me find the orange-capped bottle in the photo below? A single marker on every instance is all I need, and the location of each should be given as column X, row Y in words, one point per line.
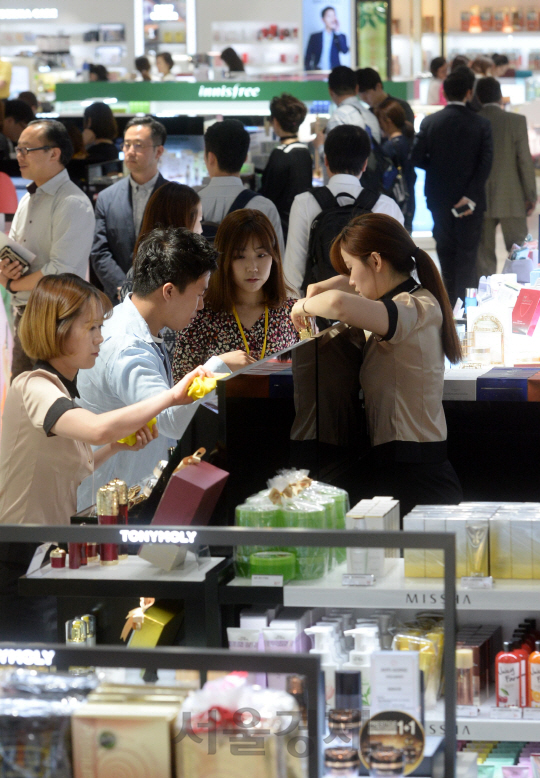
column 534, row 677
column 507, row 677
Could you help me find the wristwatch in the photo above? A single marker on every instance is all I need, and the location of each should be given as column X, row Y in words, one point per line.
column 8, row 286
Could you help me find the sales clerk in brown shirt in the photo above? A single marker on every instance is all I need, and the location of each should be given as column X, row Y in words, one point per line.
column 402, row 375
column 45, row 450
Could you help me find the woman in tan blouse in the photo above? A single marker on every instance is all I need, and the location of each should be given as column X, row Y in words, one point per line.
column 402, row 375
column 45, row 451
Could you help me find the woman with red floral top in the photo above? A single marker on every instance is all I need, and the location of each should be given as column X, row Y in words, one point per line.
column 246, row 307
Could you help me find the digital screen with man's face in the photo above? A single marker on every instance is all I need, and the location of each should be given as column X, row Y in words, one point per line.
column 330, row 19
column 326, row 34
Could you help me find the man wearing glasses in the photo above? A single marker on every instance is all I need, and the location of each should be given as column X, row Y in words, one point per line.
column 54, row 221
column 120, row 208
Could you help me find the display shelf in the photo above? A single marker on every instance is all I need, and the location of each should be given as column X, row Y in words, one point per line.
column 483, row 727
column 392, row 591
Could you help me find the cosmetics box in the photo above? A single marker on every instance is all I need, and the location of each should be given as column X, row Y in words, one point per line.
column 415, row 558
column 191, row 495
column 166, row 556
column 505, row 383
column 533, row 388
column 114, row 739
column 500, row 546
column 160, row 627
column 526, row 312
column 458, row 525
column 522, row 546
column 435, row 556
column 461, row 384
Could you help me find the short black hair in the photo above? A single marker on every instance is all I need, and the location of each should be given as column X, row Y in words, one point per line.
column 367, row 78
column 488, row 90
column 435, row 64
column 142, row 63
column 55, row 135
column 100, row 71
column 29, row 98
column 171, row 255
column 289, row 111
column 500, row 59
column 19, row 111
column 229, row 141
column 327, row 8
column 458, row 83
column 459, row 61
column 159, row 133
column 102, row 121
column 166, row 57
column 347, row 148
column 342, row 80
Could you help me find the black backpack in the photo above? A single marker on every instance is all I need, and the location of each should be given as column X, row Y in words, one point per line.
column 327, row 225
column 209, row 229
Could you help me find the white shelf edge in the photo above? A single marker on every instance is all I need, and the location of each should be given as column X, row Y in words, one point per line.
column 483, row 727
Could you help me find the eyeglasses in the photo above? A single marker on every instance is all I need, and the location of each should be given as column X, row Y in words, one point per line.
column 21, row 151
column 127, row 145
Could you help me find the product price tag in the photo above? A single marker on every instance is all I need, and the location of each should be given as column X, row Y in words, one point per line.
column 532, row 714
column 467, row 711
column 507, row 713
column 267, row 580
column 37, row 560
column 485, row 582
column 357, row 579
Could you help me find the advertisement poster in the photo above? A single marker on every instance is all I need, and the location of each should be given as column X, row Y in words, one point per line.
column 372, row 29
column 327, row 34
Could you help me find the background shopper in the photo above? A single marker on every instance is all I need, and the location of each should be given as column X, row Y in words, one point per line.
column 511, row 186
column 120, row 207
column 413, row 327
column 164, row 65
column 399, row 135
column 17, row 116
column 226, row 146
column 343, row 89
column 247, row 311
column 289, row 170
column 455, row 147
column 371, row 91
column 346, row 152
column 99, row 133
column 439, row 70
column 54, row 220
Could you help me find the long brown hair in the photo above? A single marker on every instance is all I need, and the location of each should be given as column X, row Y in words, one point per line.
column 385, row 235
column 233, row 235
column 392, row 111
column 172, row 205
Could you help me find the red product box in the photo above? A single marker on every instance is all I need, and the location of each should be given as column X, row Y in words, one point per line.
column 533, row 388
column 526, row 312
column 191, row 495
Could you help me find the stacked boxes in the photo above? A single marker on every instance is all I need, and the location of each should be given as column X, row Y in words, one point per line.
column 513, row 530
column 379, row 514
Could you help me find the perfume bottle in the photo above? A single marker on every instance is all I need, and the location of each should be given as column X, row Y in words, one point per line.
column 122, row 489
column 464, row 676
column 107, row 511
column 507, row 677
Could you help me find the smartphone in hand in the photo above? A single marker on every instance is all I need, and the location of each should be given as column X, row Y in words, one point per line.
column 462, row 209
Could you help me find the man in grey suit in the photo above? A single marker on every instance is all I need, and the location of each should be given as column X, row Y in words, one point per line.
column 511, row 186
column 120, row 208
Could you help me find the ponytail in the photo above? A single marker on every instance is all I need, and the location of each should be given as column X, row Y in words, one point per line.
column 385, row 235
column 430, row 278
column 408, row 130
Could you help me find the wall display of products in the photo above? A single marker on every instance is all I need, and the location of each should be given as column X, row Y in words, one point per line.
column 165, row 23
column 268, row 47
column 327, row 41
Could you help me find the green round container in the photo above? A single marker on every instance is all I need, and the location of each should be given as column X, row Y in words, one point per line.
column 273, row 563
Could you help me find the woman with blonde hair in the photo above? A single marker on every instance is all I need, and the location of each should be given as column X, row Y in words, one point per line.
column 390, row 287
column 45, row 450
column 246, row 313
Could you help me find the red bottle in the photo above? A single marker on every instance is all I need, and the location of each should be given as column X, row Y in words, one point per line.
column 507, row 678
column 523, row 656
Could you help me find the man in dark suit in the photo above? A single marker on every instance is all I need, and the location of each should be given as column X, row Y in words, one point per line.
column 455, row 147
column 324, row 47
column 120, row 208
column 511, row 186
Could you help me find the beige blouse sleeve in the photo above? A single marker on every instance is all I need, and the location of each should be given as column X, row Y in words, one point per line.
column 39, row 394
column 413, row 312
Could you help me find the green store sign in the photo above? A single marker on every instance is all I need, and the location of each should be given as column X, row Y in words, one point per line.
column 141, row 93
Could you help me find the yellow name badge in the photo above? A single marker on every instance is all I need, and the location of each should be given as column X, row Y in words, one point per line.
column 200, row 387
column 132, row 439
